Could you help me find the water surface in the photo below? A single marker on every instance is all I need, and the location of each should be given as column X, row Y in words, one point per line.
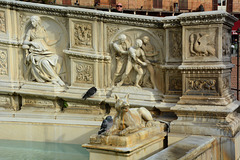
column 28, row 150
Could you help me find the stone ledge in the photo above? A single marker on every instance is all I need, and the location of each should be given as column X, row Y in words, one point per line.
column 188, row 148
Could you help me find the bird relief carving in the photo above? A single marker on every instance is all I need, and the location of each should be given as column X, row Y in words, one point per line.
column 202, row 44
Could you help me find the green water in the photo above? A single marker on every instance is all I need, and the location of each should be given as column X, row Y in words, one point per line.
column 25, row 150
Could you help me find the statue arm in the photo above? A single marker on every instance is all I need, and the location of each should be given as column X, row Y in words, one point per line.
column 144, row 57
column 118, row 49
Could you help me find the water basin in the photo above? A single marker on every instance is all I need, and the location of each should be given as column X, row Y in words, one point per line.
column 30, row 150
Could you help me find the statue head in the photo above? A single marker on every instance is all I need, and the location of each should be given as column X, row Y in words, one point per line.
column 122, row 38
column 138, row 43
column 145, row 39
column 122, row 104
column 35, row 20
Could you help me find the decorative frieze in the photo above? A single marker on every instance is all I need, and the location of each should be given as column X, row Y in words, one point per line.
column 38, row 102
column 2, row 22
column 3, row 62
column 201, row 86
column 84, row 73
column 83, row 35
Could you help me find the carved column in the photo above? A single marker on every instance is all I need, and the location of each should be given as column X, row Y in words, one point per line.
column 207, row 101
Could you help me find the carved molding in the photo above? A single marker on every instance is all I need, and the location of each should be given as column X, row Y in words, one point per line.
column 2, row 22
column 93, row 57
column 33, row 101
column 84, row 73
column 206, row 68
column 206, row 18
column 3, row 62
column 10, row 42
column 82, row 34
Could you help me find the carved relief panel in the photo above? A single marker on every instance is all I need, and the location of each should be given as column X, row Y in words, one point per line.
column 226, row 42
column 82, row 35
column 145, row 46
column 174, row 82
column 84, row 72
column 202, row 86
column 201, row 44
column 3, row 62
column 44, row 64
column 175, row 45
column 2, row 22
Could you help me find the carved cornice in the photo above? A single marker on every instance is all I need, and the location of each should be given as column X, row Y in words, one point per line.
column 81, row 13
column 206, row 67
column 88, row 56
column 8, row 42
column 211, row 17
column 171, row 22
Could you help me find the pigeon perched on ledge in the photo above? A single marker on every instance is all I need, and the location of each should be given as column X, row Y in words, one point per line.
column 89, row 93
column 106, row 125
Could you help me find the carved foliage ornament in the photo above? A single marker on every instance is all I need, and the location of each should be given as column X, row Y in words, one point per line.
column 111, row 30
column 83, row 34
column 201, row 84
column 2, row 22
column 176, row 44
column 84, row 73
column 3, row 62
column 201, row 44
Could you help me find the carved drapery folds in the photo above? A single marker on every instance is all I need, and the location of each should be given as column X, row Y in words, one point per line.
column 84, row 73
column 3, row 63
column 42, row 62
column 135, row 56
column 2, row 22
column 83, row 34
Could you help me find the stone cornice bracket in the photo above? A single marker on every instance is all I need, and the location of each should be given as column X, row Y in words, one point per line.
column 205, row 18
column 93, row 57
column 82, row 13
column 171, row 22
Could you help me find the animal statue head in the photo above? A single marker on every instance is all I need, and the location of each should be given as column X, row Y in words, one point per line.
column 122, row 105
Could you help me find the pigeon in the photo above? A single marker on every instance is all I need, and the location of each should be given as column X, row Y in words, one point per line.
column 89, row 93
column 106, row 125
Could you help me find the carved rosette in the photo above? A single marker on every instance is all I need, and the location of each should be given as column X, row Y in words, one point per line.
column 202, row 86
column 175, row 45
column 2, row 22
column 84, row 73
column 83, row 34
column 3, row 63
